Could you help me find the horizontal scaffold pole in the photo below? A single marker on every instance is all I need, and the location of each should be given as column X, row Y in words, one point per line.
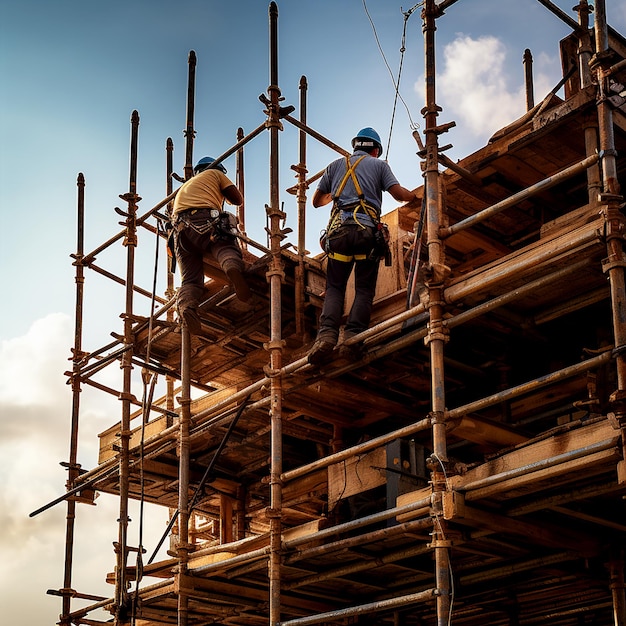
column 546, row 183
column 383, row 605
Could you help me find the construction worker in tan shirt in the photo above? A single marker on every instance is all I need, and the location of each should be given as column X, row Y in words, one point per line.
column 201, row 226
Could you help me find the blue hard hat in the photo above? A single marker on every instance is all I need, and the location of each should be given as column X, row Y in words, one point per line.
column 205, row 162
column 367, row 138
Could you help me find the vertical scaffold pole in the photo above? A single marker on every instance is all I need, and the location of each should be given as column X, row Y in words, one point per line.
column 190, row 133
column 301, row 200
column 183, row 478
column 169, row 169
column 77, row 356
column 611, row 197
column 615, row 261
column 275, row 276
column 184, row 546
column 240, row 181
column 130, row 242
column 437, row 334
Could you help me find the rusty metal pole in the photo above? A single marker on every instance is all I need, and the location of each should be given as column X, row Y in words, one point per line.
column 240, row 181
column 184, row 546
column 614, row 264
column 437, row 333
column 301, row 172
column 618, row 587
column 130, row 242
column 613, row 200
column 528, row 75
column 275, row 276
column 77, row 356
column 189, row 132
column 170, row 292
column 590, row 121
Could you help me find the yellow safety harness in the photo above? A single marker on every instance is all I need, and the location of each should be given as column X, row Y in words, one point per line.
column 362, row 206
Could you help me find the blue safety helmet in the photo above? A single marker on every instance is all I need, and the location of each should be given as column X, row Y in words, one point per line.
column 367, row 138
column 204, row 164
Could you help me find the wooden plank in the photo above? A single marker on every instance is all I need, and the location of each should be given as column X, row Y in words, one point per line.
column 550, row 477
column 356, row 475
column 544, row 449
column 410, row 497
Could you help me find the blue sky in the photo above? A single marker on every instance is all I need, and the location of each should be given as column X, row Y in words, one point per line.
column 73, row 72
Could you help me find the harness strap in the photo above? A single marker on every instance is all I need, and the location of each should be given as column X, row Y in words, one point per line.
column 345, row 257
column 367, row 209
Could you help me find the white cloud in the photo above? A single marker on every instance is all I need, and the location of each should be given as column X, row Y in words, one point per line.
column 474, row 85
column 482, row 90
column 36, row 408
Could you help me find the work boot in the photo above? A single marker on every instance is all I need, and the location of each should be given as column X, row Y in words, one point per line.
column 321, row 350
column 191, row 319
column 239, row 283
column 352, row 352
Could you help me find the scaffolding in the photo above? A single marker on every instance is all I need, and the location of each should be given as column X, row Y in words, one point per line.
column 468, row 470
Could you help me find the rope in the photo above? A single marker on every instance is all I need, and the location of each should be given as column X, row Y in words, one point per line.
column 396, row 83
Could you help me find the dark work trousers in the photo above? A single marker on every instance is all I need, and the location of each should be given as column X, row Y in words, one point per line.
column 349, row 240
column 190, row 248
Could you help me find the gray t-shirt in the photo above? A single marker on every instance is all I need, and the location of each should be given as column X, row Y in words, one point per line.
column 374, row 176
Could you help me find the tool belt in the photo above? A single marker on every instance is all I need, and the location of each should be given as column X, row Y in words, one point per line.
column 203, row 220
column 380, row 249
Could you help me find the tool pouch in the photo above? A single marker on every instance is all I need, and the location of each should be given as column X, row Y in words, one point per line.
column 224, row 227
column 381, row 248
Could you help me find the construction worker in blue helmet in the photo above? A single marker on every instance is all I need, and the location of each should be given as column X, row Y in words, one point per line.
column 201, row 226
column 354, row 240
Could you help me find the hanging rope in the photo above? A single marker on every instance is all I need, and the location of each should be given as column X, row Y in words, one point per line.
column 395, row 82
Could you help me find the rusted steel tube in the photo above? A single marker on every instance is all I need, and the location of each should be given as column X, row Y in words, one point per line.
column 190, row 133
column 528, row 79
column 494, row 479
column 533, row 385
column 301, row 201
column 309, row 131
column 246, row 557
column 359, row 449
column 352, row 542
column 436, row 337
column 275, row 276
column 614, row 264
column 374, row 518
column 361, row 566
column 560, row 14
column 72, row 466
column 170, row 292
column 618, row 587
column 546, row 183
column 241, row 183
column 121, row 281
column 130, row 241
column 522, row 260
column 184, row 546
column 383, row 605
